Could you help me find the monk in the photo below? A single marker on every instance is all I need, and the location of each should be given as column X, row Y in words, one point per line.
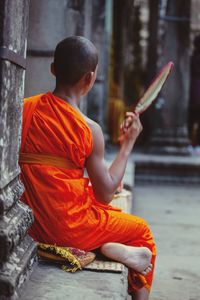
column 58, row 143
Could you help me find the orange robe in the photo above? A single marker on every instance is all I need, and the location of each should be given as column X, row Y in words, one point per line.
column 65, row 210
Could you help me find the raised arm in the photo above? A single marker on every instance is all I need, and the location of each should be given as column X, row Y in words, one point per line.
column 105, row 181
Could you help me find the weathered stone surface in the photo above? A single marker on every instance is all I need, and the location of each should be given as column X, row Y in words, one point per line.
column 17, row 253
column 13, row 228
column 10, row 194
column 49, row 282
column 10, row 114
column 12, row 22
column 15, row 271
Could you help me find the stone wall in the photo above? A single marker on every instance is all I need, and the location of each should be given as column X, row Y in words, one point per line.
column 17, row 250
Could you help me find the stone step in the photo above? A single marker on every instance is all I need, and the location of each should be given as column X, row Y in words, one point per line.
column 163, row 169
column 48, row 282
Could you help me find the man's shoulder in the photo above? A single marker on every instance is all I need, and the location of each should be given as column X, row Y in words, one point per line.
column 34, row 97
column 94, row 126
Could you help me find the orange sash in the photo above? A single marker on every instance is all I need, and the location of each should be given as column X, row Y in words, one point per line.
column 47, row 159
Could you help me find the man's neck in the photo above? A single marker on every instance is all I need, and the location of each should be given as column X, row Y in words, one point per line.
column 68, row 94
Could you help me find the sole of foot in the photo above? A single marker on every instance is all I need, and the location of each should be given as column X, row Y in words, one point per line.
column 136, row 258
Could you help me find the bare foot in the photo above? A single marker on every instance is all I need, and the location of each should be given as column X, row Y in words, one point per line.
column 136, row 258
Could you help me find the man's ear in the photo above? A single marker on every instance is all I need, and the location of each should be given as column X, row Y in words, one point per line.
column 53, row 69
column 88, row 78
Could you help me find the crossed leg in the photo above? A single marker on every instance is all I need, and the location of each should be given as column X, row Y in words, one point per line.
column 138, row 254
column 136, row 258
column 128, row 239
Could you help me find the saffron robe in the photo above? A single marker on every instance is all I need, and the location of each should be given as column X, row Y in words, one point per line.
column 65, row 209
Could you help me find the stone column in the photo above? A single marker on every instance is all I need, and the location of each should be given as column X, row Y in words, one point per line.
column 101, row 37
column 17, row 250
column 153, row 38
column 170, row 116
column 49, row 23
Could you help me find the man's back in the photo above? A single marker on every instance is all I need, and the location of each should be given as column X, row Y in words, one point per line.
column 54, row 133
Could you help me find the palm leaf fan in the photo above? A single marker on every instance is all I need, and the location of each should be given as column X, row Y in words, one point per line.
column 153, row 90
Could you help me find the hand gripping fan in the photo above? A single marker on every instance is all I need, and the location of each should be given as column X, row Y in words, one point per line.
column 154, row 89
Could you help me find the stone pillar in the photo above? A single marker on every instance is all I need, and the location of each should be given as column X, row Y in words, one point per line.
column 170, row 116
column 101, row 26
column 17, row 250
column 130, row 35
column 153, row 38
column 118, row 42
column 49, row 23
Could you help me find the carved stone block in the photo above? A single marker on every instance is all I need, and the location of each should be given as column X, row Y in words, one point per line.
column 16, row 270
column 13, row 228
column 10, row 194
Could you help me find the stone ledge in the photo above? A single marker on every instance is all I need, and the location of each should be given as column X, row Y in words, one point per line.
column 51, row 283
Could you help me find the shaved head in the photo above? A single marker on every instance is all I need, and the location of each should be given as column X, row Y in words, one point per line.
column 73, row 58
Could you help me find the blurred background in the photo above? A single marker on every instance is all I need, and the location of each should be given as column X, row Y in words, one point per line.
column 135, row 38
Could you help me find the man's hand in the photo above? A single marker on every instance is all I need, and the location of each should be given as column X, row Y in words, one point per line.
column 130, row 129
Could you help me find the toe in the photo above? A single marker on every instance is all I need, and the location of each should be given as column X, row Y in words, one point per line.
column 144, row 273
column 150, row 267
column 147, row 270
